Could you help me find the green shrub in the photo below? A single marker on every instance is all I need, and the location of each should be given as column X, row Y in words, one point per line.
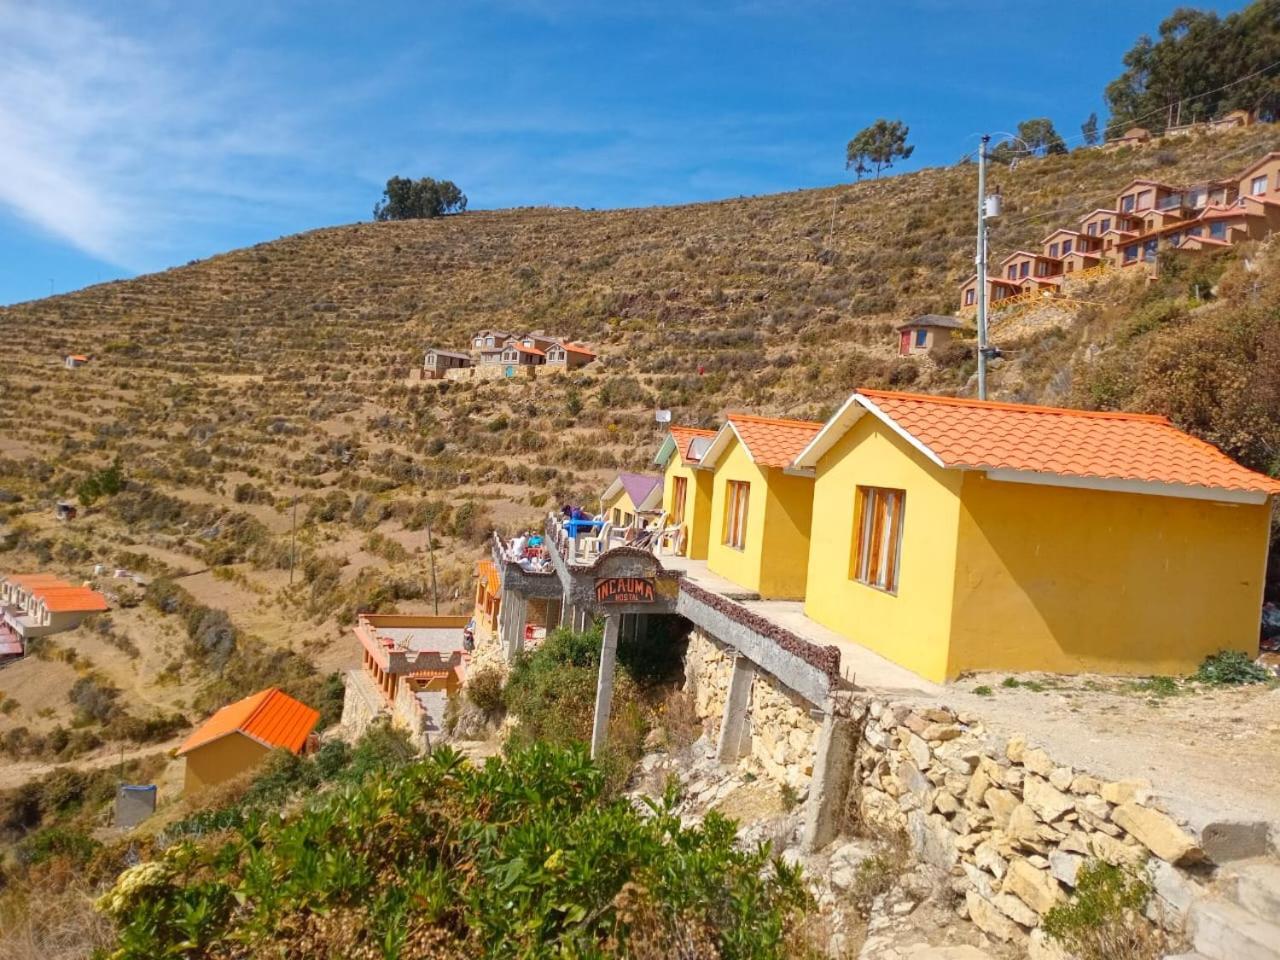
column 1103, row 919
column 519, row 858
column 1231, row 668
column 484, row 689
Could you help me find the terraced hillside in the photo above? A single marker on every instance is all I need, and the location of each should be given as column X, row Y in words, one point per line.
column 231, row 389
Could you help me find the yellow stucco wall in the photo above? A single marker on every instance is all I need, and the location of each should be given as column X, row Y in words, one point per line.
column 740, row 566
column 221, row 760
column 697, row 505
column 1067, row 580
column 912, row 626
column 773, row 562
column 622, row 501
column 788, row 518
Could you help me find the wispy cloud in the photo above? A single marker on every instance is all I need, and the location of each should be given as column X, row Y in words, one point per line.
column 113, row 143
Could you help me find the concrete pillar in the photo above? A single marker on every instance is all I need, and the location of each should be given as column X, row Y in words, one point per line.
column 515, row 613
column 604, row 685
column 832, row 769
column 734, row 738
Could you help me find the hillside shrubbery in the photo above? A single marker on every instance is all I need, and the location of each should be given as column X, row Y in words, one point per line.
column 441, row 859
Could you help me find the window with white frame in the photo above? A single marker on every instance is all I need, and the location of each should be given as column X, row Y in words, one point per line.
column 736, row 503
column 877, row 541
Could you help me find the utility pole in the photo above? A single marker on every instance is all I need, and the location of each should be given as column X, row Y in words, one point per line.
column 981, row 261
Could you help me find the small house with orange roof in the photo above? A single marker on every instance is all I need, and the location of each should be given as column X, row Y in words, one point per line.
column 515, row 354
column 960, row 535
column 38, row 604
column 761, row 504
column 567, row 355
column 74, row 360
column 240, row 735
column 686, row 490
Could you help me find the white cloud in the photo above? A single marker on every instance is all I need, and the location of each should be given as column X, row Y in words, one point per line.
column 113, row 143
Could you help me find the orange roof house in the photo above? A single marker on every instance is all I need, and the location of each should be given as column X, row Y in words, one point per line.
column 761, row 505
column 39, row 604
column 241, row 734
column 566, row 355
column 955, row 535
column 686, row 490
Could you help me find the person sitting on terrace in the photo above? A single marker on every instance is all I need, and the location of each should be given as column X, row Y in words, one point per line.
column 516, row 550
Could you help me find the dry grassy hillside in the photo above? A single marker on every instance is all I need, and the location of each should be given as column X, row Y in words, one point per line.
column 229, row 387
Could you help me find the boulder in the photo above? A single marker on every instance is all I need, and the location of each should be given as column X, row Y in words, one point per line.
column 1065, row 866
column 1015, row 910
column 1001, row 803
column 1047, row 801
column 1117, row 852
column 1126, row 791
column 1158, row 833
column 990, row 920
column 1036, row 888
column 1037, row 761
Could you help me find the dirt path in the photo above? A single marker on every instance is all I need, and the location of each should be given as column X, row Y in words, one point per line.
column 16, row 773
column 1212, row 753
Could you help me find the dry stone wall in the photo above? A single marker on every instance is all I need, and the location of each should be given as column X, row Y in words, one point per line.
column 783, row 736
column 1012, row 825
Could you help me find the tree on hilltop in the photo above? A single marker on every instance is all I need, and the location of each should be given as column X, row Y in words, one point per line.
column 877, row 147
column 405, row 199
column 1040, row 136
column 1090, row 130
column 1202, row 64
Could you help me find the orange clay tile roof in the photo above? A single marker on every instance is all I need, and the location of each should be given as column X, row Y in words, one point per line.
column 71, row 599
column 523, row 349
column 772, row 442
column 271, row 717
column 576, row 348
column 684, row 435
column 1074, row 443
column 488, row 574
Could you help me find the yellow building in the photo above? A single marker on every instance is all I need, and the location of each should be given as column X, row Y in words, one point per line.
column 760, row 504
column 686, row 490
column 240, row 735
column 629, row 496
column 958, row 535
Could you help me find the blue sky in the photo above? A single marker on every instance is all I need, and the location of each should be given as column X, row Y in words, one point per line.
column 139, row 135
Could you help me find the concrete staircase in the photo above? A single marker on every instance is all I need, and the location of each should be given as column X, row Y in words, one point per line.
column 1240, row 918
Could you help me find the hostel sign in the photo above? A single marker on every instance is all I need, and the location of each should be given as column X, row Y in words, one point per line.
column 625, row 590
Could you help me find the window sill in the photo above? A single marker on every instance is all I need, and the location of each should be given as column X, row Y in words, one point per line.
column 871, row 586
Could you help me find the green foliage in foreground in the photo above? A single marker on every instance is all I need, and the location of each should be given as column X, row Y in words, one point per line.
column 1103, row 920
column 519, row 858
column 1231, row 668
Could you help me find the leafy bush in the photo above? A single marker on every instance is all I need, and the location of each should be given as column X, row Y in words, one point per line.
column 484, row 689
column 521, row 857
column 1103, row 919
column 1231, row 668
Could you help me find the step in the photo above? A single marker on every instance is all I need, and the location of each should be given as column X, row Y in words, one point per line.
column 1257, row 889
column 1225, row 931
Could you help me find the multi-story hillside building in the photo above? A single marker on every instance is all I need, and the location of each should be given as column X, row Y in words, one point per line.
column 1149, row 216
column 497, row 353
column 38, row 604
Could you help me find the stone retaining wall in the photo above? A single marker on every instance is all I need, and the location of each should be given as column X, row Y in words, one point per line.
column 782, row 734
column 1011, row 824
